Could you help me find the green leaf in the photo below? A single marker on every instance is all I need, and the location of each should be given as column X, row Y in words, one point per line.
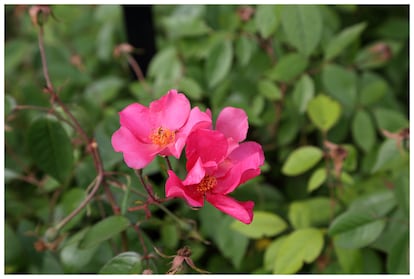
column 103, row 133
column 387, row 153
column 9, row 104
column 402, row 192
column 124, row 263
column 181, row 26
column 350, row 259
column 378, row 203
column 341, row 84
column 258, row 104
column 390, row 120
column 104, row 230
column 272, row 251
column 317, row 179
column 244, row 49
column 10, row 175
column 303, row 92
column 288, row 67
column 398, row 257
column 346, row 179
column 50, row 264
column 362, row 235
column 350, row 220
column 105, row 40
column 12, row 246
column 361, row 224
column 15, row 51
column 269, row 90
column 363, row 130
column 74, row 259
column 337, row 44
column 350, row 162
column 324, row 112
column 372, row 261
column 232, row 245
column 385, row 242
column 50, row 148
column 299, row 216
column 219, row 62
column 395, row 28
column 373, row 88
column 70, row 201
column 165, row 65
column 169, row 235
column 266, row 19
column 301, row 160
column 263, row 224
column 301, row 246
column 312, row 212
column 190, row 88
column 104, row 90
column 208, row 213
column 303, row 27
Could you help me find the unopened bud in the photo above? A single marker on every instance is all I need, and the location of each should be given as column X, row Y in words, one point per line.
column 123, row 48
column 76, row 60
column 39, row 14
column 51, row 234
column 147, row 272
column 184, row 252
column 245, row 13
column 381, row 51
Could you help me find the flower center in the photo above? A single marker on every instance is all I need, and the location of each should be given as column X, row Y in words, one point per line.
column 206, row 184
column 162, row 136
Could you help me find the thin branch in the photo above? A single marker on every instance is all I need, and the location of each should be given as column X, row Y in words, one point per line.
column 329, row 181
column 91, row 144
column 146, row 186
column 44, row 60
column 111, row 199
column 43, row 109
column 144, row 248
column 117, row 211
column 98, row 180
column 138, row 72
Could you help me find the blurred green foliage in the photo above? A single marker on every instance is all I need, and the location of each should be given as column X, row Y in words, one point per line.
column 326, row 92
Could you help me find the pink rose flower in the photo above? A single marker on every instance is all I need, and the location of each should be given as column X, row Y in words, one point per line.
column 160, row 129
column 217, row 164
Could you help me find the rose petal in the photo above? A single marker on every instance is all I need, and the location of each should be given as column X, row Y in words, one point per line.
column 232, row 122
column 137, row 155
column 245, row 151
column 245, row 164
column 242, row 211
column 196, row 120
column 175, row 188
column 196, row 174
column 208, row 145
column 136, row 119
column 171, row 111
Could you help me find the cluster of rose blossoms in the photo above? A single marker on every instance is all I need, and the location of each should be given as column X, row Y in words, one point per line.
column 217, row 159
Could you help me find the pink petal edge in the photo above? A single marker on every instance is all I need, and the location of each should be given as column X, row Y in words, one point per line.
column 242, row 211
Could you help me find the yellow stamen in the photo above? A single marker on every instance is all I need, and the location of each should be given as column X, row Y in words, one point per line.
column 162, row 136
column 206, row 184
